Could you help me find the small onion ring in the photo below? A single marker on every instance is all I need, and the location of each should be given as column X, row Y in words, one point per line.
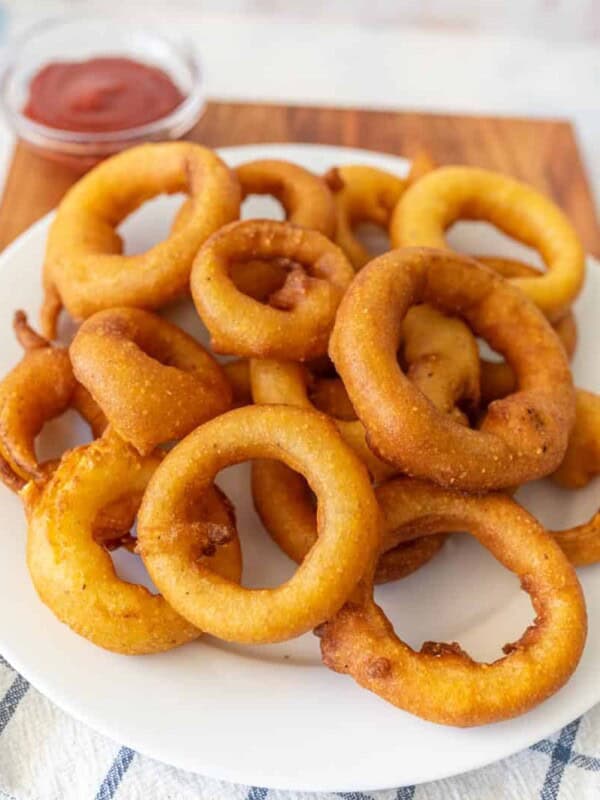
column 362, row 194
column 497, row 378
column 299, row 328
column 441, row 683
column 177, row 384
column 348, row 521
column 305, row 197
column 367, row 194
column 522, row 437
column 286, row 507
column 85, row 268
column 430, row 206
column 41, row 387
column 74, row 575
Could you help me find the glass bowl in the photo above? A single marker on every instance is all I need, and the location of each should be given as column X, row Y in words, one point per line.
column 81, row 39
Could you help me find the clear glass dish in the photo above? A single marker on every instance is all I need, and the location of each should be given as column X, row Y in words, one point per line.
column 80, row 39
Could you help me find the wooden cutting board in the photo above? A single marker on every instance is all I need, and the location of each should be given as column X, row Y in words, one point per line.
column 541, row 152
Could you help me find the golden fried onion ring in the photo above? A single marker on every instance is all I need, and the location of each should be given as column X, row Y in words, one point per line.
column 348, row 521
column 582, row 458
column 442, row 197
column 299, row 327
column 305, row 197
column 286, row 507
column 441, row 683
column 522, row 437
column 75, row 577
column 41, row 387
column 153, row 381
column 362, row 194
column 85, row 268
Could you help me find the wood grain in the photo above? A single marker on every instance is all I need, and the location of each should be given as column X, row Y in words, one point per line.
column 541, row 152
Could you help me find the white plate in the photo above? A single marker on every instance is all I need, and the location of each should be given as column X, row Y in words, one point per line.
column 272, row 715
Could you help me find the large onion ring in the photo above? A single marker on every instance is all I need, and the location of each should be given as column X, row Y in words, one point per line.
column 41, row 387
column 299, row 328
column 522, row 437
column 85, row 268
column 441, row 683
column 448, row 194
column 286, row 508
column 348, row 520
column 74, row 575
column 154, row 382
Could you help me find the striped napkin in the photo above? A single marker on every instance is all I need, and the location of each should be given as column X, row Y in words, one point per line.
column 47, row 755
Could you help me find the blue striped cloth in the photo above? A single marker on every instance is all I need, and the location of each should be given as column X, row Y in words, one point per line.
column 47, row 755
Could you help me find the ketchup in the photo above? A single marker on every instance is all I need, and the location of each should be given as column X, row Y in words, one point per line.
column 100, row 95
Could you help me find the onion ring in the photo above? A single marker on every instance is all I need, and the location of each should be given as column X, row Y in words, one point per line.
column 305, row 197
column 367, row 194
column 582, row 458
column 177, row 385
column 238, row 375
column 348, row 524
column 286, row 507
column 75, row 577
column 299, row 327
column 448, row 194
column 497, row 378
column 286, row 383
column 522, row 437
column 41, row 387
column 441, row 683
column 85, row 268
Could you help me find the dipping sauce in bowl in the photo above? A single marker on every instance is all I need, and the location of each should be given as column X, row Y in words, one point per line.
column 79, row 90
column 100, row 94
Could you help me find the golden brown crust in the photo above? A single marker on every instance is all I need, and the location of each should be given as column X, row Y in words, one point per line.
column 72, row 572
column 240, row 325
column 432, row 204
column 348, row 524
column 153, row 382
column 441, row 683
column 85, row 268
column 522, row 437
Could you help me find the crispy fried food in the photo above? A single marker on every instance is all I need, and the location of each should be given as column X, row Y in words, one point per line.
column 348, row 522
column 287, row 382
column 522, row 437
column 448, row 194
column 582, row 458
column 298, row 320
column 443, row 363
column 305, row 197
column 74, row 575
column 287, row 508
column 441, row 683
column 85, row 268
column 362, row 194
column 154, row 382
column 367, row 194
column 41, row 387
column 497, row 378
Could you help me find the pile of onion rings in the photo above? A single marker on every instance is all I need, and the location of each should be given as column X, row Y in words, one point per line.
column 353, row 383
